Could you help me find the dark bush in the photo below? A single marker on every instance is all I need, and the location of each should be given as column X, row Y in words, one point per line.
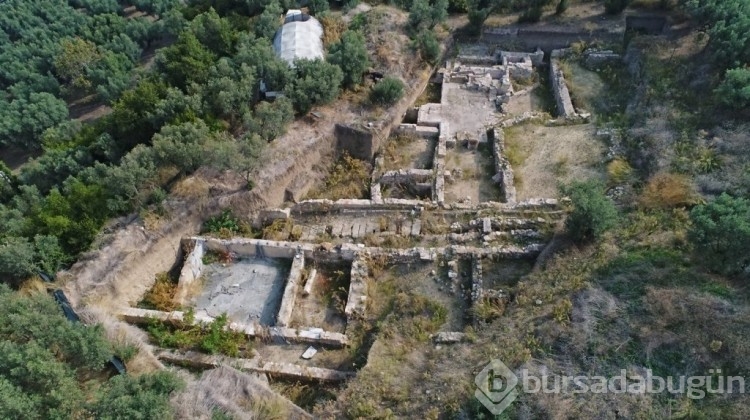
column 614, row 7
column 593, row 213
column 387, row 92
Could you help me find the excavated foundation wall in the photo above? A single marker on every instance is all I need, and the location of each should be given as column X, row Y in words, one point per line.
column 503, row 171
column 560, row 91
column 547, row 40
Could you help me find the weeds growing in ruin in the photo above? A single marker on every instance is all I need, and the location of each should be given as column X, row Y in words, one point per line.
column 212, row 338
column 161, row 295
column 349, row 178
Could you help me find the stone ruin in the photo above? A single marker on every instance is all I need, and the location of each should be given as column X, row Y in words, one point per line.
column 276, row 279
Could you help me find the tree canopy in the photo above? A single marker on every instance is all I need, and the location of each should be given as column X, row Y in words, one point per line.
column 42, row 355
column 721, row 233
column 592, row 212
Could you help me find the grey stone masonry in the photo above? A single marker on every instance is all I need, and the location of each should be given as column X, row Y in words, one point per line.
column 451, row 337
column 285, row 370
column 476, row 279
column 503, row 171
column 560, row 91
column 310, row 281
column 355, row 303
column 307, row 336
column 191, row 271
column 290, row 291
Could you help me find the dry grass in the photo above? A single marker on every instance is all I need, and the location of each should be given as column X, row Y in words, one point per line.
column 333, row 27
column 32, row 286
column 279, row 230
column 619, row 171
column 665, row 190
column 190, row 188
column 233, row 393
column 542, row 157
column 434, row 223
column 153, row 221
column 348, row 178
column 161, row 295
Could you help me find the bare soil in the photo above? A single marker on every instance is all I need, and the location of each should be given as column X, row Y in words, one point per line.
column 553, row 155
column 475, row 182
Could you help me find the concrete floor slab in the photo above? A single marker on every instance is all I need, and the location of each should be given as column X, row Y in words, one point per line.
column 248, row 290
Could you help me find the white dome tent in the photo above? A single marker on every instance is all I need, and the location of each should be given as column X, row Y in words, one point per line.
column 299, row 38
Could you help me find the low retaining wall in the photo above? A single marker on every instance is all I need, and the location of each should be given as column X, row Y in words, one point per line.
column 560, row 91
column 282, row 370
column 284, row 315
column 308, row 336
column 503, row 171
column 355, row 304
column 438, row 165
column 594, row 60
column 422, row 131
column 406, row 176
column 191, row 271
column 503, row 251
column 537, row 57
column 476, row 281
column 322, row 206
column 547, row 39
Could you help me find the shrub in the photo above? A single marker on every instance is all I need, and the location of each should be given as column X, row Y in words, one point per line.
column 721, row 233
column 619, row 171
column 387, row 92
column 350, row 54
column 317, row 7
column 428, row 46
column 458, row 6
column 531, row 15
column 212, row 338
column 161, row 295
column 225, row 220
column 734, row 91
column 665, row 190
column 317, row 82
column 614, row 7
column 593, row 213
column 562, row 6
column 476, row 19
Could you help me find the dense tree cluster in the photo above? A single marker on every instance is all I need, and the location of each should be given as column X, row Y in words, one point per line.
column 51, row 52
column 43, row 355
column 729, row 31
column 168, row 119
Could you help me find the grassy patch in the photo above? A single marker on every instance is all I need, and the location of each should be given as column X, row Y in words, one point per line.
column 515, row 151
column 629, row 274
column 210, row 338
column 348, row 178
column 226, row 225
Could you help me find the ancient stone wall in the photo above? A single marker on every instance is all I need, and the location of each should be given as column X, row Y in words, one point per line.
column 356, row 142
column 560, row 91
column 547, row 39
column 503, row 171
column 192, row 269
column 284, row 315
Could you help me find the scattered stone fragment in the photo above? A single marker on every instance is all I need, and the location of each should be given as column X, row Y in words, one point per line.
column 451, row 337
column 309, row 353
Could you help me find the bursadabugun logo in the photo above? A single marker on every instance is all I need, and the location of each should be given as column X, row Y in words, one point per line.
column 496, row 387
